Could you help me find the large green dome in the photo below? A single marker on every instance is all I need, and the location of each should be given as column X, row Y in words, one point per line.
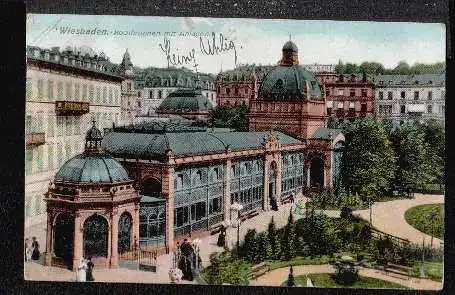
column 85, row 168
column 287, row 82
column 186, row 100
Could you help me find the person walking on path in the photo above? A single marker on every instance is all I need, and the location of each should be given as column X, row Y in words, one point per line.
column 89, row 274
column 81, row 271
column 35, row 247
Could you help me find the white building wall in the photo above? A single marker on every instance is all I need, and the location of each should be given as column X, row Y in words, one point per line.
column 64, row 135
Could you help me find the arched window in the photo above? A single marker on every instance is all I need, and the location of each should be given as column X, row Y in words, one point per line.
column 197, row 178
column 124, row 232
column 63, row 237
column 95, row 236
column 178, row 182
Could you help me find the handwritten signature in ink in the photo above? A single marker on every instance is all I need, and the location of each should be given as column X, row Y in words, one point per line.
column 211, row 47
column 176, row 59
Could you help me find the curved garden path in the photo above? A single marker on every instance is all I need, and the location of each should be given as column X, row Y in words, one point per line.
column 389, row 218
column 277, row 276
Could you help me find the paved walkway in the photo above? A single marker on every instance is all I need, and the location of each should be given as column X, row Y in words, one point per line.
column 277, row 276
column 389, row 218
column 35, row 271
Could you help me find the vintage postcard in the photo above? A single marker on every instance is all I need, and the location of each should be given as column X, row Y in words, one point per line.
column 225, row 151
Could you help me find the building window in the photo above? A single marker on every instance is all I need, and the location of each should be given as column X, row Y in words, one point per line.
column 69, row 91
column 50, row 90
column 390, row 95
column 198, row 211
column 160, row 94
column 416, row 95
column 60, row 90
column 84, row 92
column 68, row 126
column 29, row 88
column 91, row 92
column 403, row 94
column 39, row 158
column 381, row 95
column 110, row 96
column 77, row 92
column 402, row 109
column 59, row 126
column 443, row 94
column 430, row 95
column 50, row 126
column 28, row 161
column 215, row 205
column 104, row 94
column 364, row 93
column 228, row 91
column 327, row 92
column 352, row 92
column 40, row 89
column 50, row 156
column 98, row 94
column 430, row 109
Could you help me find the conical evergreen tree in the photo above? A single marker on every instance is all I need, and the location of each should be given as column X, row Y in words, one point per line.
column 289, row 239
column 250, row 249
column 274, row 242
column 263, row 251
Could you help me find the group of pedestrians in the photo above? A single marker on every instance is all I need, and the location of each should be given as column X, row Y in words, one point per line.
column 84, row 272
column 32, row 249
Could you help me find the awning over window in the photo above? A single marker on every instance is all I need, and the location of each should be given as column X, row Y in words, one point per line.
column 351, row 105
column 330, row 104
column 416, row 108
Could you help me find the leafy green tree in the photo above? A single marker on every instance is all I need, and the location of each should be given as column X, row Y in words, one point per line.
column 369, row 162
column 402, row 68
column 226, row 268
column 274, row 241
column 408, row 143
column 234, row 117
column 263, row 251
column 289, row 239
column 339, row 68
column 435, row 144
column 373, row 68
column 249, row 249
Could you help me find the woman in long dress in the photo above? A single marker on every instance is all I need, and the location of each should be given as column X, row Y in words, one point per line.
column 35, row 247
column 81, row 271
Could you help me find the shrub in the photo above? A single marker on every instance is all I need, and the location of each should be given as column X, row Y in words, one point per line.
column 274, row 241
column 249, row 247
column 225, row 268
column 346, row 212
column 346, row 274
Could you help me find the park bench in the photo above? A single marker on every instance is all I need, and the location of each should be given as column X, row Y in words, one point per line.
column 248, row 214
column 259, row 270
column 216, row 228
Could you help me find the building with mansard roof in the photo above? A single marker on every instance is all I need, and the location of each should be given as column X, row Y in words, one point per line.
column 238, row 86
column 65, row 89
column 403, row 98
column 155, row 84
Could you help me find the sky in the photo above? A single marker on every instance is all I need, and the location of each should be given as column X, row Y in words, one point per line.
column 256, row 41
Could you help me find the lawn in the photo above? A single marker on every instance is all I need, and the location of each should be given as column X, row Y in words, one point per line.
column 428, row 219
column 324, row 280
column 273, row 264
column 433, row 270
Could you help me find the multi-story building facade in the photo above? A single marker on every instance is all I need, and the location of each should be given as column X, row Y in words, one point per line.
column 402, row 98
column 65, row 91
column 319, row 68
column 240, row 85
column 348, row 96
column 157, row 85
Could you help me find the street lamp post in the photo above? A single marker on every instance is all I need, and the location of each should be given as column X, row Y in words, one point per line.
column 237, row 207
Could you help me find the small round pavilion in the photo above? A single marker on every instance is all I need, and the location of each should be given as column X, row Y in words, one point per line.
column 92, row 209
